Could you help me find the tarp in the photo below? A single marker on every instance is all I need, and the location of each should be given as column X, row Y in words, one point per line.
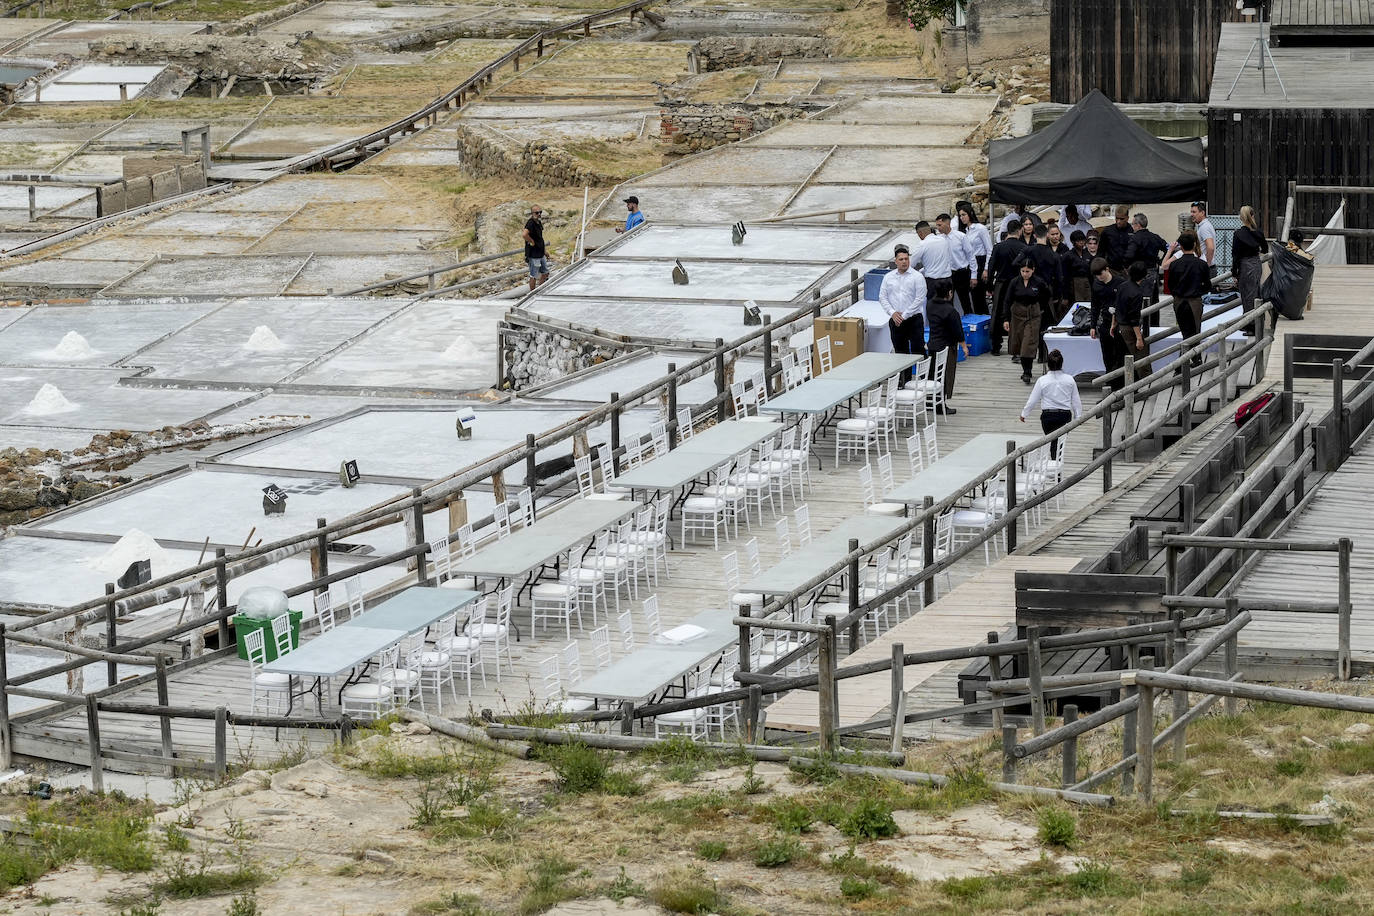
column 1094, row 152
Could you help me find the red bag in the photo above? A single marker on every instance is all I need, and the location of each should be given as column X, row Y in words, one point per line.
column 1247, row 410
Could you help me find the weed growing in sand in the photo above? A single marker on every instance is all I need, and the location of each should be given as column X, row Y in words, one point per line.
column 151, row 907
column 777, row 852
column 790, row 815
column 243, row 905
column 1057, row 827
column 623, row 886
column 454, row 904
column 869, row 819
column 853, row 888
column 549, row 885
column 189, row 877
column 682, row 759
column 108, row 831
column 582, row 769
column 687, row 890
column 711, row 850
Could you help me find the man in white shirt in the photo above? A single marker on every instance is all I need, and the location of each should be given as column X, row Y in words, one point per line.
column 903, row 297
column 934, row 257
column 961, row 261
column 1206, row 235
column 1056, row 393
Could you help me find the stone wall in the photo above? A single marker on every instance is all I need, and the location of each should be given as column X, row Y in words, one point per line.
column 216, row 57
column 249, row 24
column 689, row 128
column 749, row 50
column 534, row 355
column 489, row 153
column 149, row 179
column 996, row 33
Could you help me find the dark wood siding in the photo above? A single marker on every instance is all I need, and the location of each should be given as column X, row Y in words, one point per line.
column 1135, row 50
column 1251, row 161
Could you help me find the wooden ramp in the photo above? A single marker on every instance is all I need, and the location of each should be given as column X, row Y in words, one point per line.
column 962, row 617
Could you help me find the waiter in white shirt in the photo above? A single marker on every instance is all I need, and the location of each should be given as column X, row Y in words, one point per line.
column 903, row 297
column 960, row 261
column 934, row 256
column 1056, row 393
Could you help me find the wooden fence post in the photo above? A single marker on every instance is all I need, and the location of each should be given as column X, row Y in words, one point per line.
column 674, row 433
column 1343, row 608
column 222, row 595
column 746, row 640
column 1180, row 699
column 615, row 434
column 1106, row 445
column 1128, row 724
column 6, row 756
column 720, row 379
column 1128, row 406
column 825, row 690
column 1037, row 693
column 1230, row 704
column 627, row 717
column 1069, row 764
column 898, row 696
column 768, row 358
column 319, row 557
column 1338, row 438
column 853, row 596
column 417, row 526
column 93, row 736
column 1011, row 498
column 752, row 705
column 995, row 673
column 1145, row 739
column 928, row 548
column 531, row 474
column 164, row 721
column 1009, row 754
column 221, row 742
column 111, row 636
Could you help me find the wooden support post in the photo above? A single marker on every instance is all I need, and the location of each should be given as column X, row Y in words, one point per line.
column 1185, row 416
column 1011, row 498
column 1343, row 608
column 995, row 673
column 1128, row 406
column 768, row 363
column 853, row 286
column 319, row 558
column 93, row 736
column 674, row 434
column 1069, row 764
column 898, row 699
column 417, row 530
column 615, row 433
column 111, row 635
column 825, row 685
column 928, row 548
column 1128, row 725
column 1037, row 693
column 721, row 386
column 752, row 705
column 1171, row 583
column 1106, row 445
column 1187, row 507
column 164, row 721
column 627, row 717
column 222, row 595
column 221, row 743
column 531, row 473
column 1180, row 700
column 1145, row 740
column 33, row 202
column 853, row 596
column 1232, row 609
column 746, row 640
column 6, row 755
column 1009, row 754
column 1288, row 368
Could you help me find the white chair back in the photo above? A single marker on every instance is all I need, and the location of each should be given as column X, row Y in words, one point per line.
column 324, row 611
column 803, row 517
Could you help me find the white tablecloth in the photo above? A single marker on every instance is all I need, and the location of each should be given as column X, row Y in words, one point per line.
column 878, row 339
column 1084, row 354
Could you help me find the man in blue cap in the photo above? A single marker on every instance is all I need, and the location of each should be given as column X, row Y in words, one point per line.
column 633, row 217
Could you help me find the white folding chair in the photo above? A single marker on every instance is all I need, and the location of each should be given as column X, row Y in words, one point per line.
column 824, row 356
column 871, row 504
column 651, row 620
column 601, row 646
column 493, row 630
column 709, row 513
column 353, row 590
column 783, row 535
column 324, row 611
column 281, row 634
column 911, row 402
column 436, row 670
column 730, row 569
column 625, row 624
column 375, row 697
column 803, row 518
column 913, row 454
column 855, row 434
column 932, row 389
column 685, row 430
column 270, row 689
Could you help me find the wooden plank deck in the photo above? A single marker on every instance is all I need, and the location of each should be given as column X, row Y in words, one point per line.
column 962, row 617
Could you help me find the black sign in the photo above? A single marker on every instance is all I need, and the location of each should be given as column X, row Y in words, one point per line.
column 349, row 472
column 138, row 573
column 273, row 494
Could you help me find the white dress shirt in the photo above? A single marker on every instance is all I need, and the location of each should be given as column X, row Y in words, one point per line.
column 1054, row 391
column 903, row 293
column 1205, row 231
column 1011, row 222
column 937, row 262
column 1084, row 220
column 960, row 251
column 979, row 241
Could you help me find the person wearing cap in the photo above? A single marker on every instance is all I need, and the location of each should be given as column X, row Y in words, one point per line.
column 536, row 254
column 903, row 297
column 633, row 217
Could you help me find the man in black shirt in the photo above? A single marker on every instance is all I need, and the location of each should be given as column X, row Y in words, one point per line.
column 1147, row 248
column 1075, row 266
column 1127, row 323
column 1113, row 241
column 946, row 333
column 536, row 255
column 1002, row 269
column 1190, row 278
column 1105, row 286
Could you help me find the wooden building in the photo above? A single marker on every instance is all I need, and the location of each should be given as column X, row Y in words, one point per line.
column 1322, row 133
column 1135, row 50
column 1298, row 22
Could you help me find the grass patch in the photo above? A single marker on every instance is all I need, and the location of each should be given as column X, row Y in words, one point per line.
column 578, row 768
column 687, row 890
column 681, row 758
column 548, row 886
column 854, row 888
column 790, row 815
column 777, row 852
column 107, row 831
column 712, row 850
column 1057, row 827
column 870, row 819
column 454, row 904
column 623, row 886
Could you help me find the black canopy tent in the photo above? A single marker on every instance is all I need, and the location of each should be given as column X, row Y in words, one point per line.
column 1095, row 152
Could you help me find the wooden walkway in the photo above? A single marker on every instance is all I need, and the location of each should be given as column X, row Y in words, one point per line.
column 962, row 617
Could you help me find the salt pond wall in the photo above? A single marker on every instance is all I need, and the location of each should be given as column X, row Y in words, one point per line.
column 488, row 153
column 533, row 353
column 696, row 127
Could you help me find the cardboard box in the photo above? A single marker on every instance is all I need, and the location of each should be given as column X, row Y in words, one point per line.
column 846, row 340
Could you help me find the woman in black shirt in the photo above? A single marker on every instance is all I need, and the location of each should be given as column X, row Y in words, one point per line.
column 1028, row 297
column 1246, row 246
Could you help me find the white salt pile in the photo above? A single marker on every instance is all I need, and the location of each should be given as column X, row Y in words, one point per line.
column 132, row 547
column 73, row 346
column 462, row 351
column 47, row 401
column 264, row 341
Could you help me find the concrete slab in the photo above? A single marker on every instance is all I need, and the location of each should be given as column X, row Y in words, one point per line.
column 75, row 38
column 117, row 248
column 421, row 157
column 313, row 406
column 66, row 273
column 709, row 280
column 762, row 242
column 676, row 321
column 212, row 222
column 862, row 197
column 268, row 275
column 47, row 196
column 50, row 131
column 420, row 444
column 922, row 112
column 514, row 111
column 291, row 192
column 597, row 385
column 898, row 165
column 278, row 140
column 216, row 347
column 112, row 330
column 439, row 344
column 98, row 402
column 826, row 133
column 343, row 273
column 335, row 20
column 340, row 242
column 696, row 204
column 10, row 314
column 740, row 165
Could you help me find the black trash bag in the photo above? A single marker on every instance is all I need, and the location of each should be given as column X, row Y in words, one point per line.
column 1289, row 281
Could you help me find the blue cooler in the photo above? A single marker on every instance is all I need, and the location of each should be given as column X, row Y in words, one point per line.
column 959, row 351
column 978, row 334
column 873, row 282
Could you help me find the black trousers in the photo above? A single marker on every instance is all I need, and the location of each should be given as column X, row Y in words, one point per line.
column 908, row 337
column 1112, row 355
column 1188, row 314
column 930, row 285
column 1050, row 420
column 960, row 278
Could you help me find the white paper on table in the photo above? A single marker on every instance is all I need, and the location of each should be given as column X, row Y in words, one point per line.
column 685, row 633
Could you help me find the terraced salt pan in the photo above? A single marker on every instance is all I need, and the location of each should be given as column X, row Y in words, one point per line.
column 825, row 133
column 113, row 330
column 102, row 404
column 66, row 273
column 677, row 321
column 697, row 204
column 597, row 385
column 708, row 280
column 761, row 242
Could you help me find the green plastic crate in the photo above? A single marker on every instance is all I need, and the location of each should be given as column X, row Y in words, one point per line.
column 245, row 625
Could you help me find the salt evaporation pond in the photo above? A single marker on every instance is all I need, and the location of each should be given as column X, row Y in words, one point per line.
column 73, row 346
column 49, row 400
column 264, row 341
